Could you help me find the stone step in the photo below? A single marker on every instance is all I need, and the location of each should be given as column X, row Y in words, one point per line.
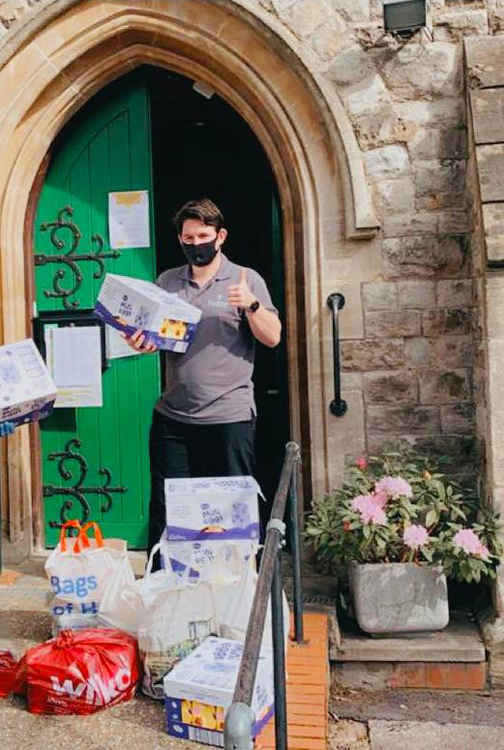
column 460, row 641
column 451, row 659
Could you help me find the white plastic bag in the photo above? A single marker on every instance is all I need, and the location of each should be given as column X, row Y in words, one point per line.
column 234, row 605
column 174, row 621
column 81, row 571
column 208, row 561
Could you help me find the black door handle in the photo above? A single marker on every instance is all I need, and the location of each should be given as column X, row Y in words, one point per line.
column 338, row 406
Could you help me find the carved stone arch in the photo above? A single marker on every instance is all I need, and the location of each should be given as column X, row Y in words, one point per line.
column 319, row 172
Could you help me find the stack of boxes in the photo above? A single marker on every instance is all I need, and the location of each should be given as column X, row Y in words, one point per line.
column 211, row 536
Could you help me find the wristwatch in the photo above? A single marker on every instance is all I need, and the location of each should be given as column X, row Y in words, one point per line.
column 254, row 306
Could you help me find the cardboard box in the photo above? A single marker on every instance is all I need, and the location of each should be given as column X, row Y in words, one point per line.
column 129, row 304
column 27, row 391
column 200, row 688
column 220, row 508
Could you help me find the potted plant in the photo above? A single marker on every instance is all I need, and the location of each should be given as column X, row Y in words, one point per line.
column 402, row 526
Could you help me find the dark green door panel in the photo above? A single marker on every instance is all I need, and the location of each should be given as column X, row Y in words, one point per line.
column 107, row 147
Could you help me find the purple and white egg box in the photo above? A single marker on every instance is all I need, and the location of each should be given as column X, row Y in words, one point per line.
column 127, row 304
column 27, row 391
column 209, row 674
column 212, row 508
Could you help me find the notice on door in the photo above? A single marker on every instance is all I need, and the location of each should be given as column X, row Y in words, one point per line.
column 74, row 360
column 128, row 217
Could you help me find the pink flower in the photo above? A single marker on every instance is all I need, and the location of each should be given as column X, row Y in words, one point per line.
column 467, row 540
column 415, row 535
column 393, row 487
column 369, row 509
column 380, row 498
column 361, row 463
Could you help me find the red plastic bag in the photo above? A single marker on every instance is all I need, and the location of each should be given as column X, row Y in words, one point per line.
column 80, row 672
column 8, row 668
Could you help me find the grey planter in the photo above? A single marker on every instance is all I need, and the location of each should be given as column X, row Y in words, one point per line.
column 399, row 597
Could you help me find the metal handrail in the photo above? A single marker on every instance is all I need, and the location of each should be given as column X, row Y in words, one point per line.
column 240, row 717
column 338, row 406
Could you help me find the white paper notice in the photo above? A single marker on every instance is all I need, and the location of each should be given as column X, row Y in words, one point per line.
column 128, row 214
column 74, row 359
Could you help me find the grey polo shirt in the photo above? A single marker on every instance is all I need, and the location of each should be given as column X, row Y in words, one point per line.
column 212, row 382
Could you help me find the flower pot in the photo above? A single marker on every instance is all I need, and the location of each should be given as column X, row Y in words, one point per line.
column 399, row 597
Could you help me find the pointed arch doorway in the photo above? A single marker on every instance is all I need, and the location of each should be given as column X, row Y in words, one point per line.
column 152, row 129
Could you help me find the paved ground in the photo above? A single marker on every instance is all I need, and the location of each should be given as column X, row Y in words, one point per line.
column 139, row 723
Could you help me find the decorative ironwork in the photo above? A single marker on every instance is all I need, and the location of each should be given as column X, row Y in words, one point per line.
column 77, row 491
column 70, row 258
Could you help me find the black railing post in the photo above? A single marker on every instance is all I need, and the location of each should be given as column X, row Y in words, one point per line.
column 279, row 659
column 239, row 717
column 297, row 592
column 337, row 406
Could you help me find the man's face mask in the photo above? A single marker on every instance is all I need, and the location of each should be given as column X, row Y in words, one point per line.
column 200, row 255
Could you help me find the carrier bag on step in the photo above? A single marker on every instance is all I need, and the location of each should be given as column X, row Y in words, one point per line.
column 174, row 622
column 81, row 569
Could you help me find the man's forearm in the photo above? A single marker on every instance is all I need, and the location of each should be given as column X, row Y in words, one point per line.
column 265, row 326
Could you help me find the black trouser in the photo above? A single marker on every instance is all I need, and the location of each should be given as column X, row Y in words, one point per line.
column 188, row 450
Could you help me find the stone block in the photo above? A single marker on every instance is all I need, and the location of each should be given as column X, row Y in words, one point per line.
column 390, row 387
column 350, row 66
column 383, row 324
column 445, row 387
column 455, row 221
column 427, row 113
column 387, row 162
column 354, row 11
column 417, row 71
column 438, row 143
column 373, row 354
column 379, row 295
column 451, row 351
column 410, row 224
column 368, row 97
column 454, row 293
column 416, row 295
column 454, row 24
column 484, row 61
column 459, row 418
column 330, row 38
column 487, row 107
column 423, row 256
column 493, row 221
column 304, row 17
column 490, row 160
column 396, row 195
column 411, row 420
column 441, row 322
column 439, row 184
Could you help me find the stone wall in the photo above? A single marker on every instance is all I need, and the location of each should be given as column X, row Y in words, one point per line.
column 410, row 368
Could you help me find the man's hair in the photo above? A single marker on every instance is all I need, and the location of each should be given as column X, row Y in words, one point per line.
column 204, row 210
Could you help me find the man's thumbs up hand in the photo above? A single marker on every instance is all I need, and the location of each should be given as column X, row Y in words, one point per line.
column 239, row 295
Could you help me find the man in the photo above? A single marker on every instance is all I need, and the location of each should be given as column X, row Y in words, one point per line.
column 204, row 423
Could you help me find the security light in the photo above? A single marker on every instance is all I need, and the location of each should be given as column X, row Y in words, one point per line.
column 404, row 17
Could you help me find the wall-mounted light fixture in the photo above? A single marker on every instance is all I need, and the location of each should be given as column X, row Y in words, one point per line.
column 404, row 17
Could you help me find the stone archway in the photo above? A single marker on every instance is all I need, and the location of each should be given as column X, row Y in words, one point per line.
column 312, row 152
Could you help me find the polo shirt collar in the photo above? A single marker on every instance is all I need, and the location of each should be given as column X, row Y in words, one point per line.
column 224, row 271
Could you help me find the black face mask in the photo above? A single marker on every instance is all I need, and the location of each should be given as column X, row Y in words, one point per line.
column 200, row 255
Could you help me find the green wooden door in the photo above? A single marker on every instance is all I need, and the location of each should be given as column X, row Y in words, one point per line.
column 95, row 459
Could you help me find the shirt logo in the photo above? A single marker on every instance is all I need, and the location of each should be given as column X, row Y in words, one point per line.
column 219, row 301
